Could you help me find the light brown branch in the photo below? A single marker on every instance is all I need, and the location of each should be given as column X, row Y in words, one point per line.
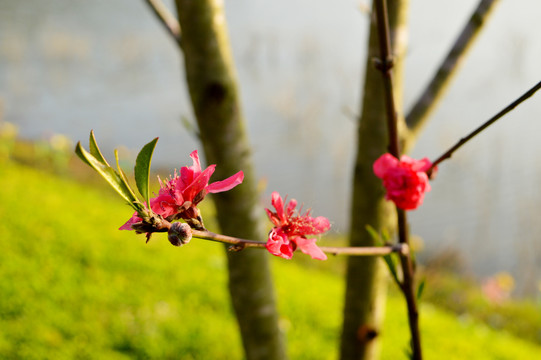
column 168, row 20
column 161, row 225
column 239, row 244
column 433, row 93
column 402, row 249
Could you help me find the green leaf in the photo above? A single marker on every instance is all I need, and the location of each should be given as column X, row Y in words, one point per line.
column 386, row 237
column 391, row 264
column 79, row 151
column 389, row 259
column 409, row 351
column 374, row 235
column 142, row 169
column 124, row 178
column 420, row 289
column 110, row 175
column 95, row 150
column 190, row 127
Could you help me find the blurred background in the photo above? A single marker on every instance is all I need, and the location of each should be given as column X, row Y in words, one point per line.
column 68, row 66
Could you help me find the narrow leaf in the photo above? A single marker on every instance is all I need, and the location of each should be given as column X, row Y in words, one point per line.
column 123, row 176
column 190, row 127
column 78, row 151
column 111, row 176
column 389, row 260
column 391, row 264
column 385, row 236
column 95, row 150
column 142, row 169
column 374, row 235
column 420, row 289
column 409, row 351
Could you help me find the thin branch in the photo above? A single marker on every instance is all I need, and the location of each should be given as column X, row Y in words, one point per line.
column 367, row 250
column 239, row 244
column 385, row 66
column 407, row 287
column 431, row 96
column 168, row 20
column 158, row 224
column 489, row 122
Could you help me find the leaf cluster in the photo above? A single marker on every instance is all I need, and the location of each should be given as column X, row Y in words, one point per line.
column 117, row 178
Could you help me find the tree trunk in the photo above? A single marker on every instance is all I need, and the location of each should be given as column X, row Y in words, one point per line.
column 365, row 280
column 213, row 90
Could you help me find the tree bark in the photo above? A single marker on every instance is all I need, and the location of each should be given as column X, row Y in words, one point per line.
column 365, row 278
column 213, row 90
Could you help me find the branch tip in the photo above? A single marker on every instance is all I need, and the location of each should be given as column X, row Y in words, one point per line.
column 167, row 19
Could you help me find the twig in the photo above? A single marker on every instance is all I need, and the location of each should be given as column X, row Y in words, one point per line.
column 408, row 287
column 385, row 66
column 489, row 122
column 429, row 99
column 239, row 244
column 168, row 20
column 158, row 224
column 367, row 250
column 161, row 225
column 207, row 235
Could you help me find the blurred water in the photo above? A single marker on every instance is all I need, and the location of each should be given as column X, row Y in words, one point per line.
column 68, row 66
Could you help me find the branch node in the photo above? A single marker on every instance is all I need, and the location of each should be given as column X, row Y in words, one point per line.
column 366, row 333
column 384, row 65
column 236, row 247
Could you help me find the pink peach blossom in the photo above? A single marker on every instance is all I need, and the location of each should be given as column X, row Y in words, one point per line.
column 290, row 230
column 178, row 197
column 405, row 180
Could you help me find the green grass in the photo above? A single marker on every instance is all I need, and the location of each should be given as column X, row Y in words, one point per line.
column 462, row 295
column 74, row 287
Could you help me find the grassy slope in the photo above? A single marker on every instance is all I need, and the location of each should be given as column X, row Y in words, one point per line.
column 72, row 286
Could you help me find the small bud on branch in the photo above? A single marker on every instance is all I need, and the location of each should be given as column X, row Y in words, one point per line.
column 179, row 234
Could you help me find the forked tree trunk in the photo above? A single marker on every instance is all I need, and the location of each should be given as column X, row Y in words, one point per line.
column 365, row 290
column 213, row 90
column 365, row 280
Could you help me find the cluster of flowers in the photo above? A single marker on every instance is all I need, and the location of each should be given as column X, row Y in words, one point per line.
column 179, row 196
column 405, row 180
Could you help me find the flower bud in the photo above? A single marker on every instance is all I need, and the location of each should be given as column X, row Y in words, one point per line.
column 179, row 234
